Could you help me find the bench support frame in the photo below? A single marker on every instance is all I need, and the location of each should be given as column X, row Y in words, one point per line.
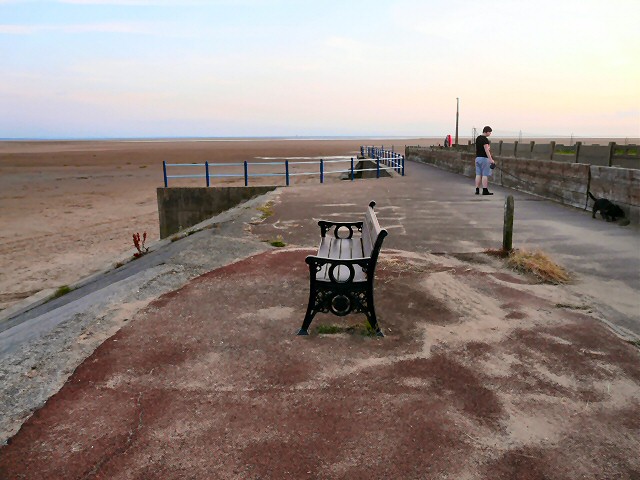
column 344, row 297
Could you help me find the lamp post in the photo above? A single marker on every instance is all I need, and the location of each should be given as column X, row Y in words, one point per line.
column 457, row 116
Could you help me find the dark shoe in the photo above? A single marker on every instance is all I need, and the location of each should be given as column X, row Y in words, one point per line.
column 485, row 191
column 477, row 191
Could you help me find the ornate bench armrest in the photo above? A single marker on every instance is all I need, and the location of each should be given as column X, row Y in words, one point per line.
column 316, row 263
column 326, row 225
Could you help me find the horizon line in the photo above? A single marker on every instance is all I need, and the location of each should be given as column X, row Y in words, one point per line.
column 297, row 137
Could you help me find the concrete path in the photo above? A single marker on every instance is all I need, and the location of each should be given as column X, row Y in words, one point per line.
column 431, row 210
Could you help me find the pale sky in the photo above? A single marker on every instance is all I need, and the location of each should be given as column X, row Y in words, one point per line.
column 164, row 68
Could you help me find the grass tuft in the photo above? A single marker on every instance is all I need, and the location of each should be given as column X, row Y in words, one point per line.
column 330, row 329
column 359, row 329
column 278, row 242
column 538, row 264
column 266, row 209
column 63, row 290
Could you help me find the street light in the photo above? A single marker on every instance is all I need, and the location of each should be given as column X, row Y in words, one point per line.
column 457, row 117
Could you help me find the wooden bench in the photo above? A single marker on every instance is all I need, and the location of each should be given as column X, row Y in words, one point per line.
column 341, row 274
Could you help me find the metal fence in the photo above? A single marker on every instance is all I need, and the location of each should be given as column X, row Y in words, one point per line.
column 384, row 161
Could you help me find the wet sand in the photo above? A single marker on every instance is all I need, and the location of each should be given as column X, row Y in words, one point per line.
column 70, row 208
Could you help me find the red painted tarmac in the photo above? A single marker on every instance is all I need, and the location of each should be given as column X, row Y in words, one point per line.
column 210, row 382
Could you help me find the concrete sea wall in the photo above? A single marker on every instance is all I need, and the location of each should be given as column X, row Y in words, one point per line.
column 183, row 207
column 611, row 155
column 560, row 181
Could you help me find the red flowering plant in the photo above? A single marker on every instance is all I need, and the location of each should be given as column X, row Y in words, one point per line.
column 140, row 244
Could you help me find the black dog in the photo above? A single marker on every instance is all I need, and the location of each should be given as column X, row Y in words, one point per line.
column 608, row 210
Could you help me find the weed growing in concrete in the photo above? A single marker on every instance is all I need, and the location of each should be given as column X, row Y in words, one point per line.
column 139, row 244
column 538, row 264
column 330, row 329
column 278, row 242
column 63, row 290
column 358, row 329
column 266, row 209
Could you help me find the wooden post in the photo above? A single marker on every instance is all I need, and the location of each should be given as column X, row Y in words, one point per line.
column 578, row 145
column 612, row 147
column 553, row 149
column 507, row 235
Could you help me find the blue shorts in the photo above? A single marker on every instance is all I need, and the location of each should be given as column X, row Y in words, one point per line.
column 483, row 167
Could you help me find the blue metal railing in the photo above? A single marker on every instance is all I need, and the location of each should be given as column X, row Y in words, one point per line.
column 388, row 157
column 385, row 160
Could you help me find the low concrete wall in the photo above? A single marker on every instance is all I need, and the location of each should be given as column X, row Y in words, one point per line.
column 596, row 154
column 611, row 155
column 542, row 151
column 523, row 149
column 620, row 185
column 183, row 207
column 563, row 182
column 508, row 149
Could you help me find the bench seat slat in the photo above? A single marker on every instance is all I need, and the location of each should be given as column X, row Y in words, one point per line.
column 340, row 249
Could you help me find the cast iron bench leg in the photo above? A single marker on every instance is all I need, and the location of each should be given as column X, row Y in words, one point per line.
column 310, row 313
column 371, row 315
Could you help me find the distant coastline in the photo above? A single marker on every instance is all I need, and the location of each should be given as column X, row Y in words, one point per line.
column 462, row 138
column 217, row 139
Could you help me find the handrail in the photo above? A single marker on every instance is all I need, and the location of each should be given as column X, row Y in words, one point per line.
column 385, row 160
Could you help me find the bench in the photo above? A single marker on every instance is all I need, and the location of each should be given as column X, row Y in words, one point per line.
column 341, row 274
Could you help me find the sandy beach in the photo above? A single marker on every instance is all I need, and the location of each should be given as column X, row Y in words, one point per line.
column 70, row 208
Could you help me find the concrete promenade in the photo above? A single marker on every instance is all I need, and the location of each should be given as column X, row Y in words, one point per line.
column 197, row 372
column 431, row 210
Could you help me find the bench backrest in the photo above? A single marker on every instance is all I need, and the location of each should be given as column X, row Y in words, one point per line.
column 372, row 235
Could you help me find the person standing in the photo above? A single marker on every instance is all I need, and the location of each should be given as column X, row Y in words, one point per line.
column 484, row 161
